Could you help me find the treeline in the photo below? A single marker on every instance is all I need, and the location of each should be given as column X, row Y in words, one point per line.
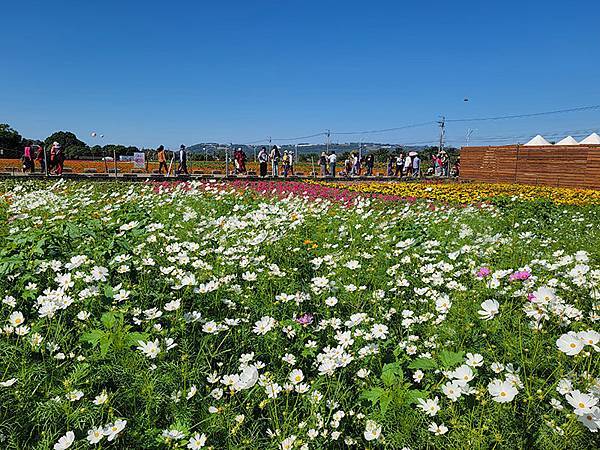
column 12, row 145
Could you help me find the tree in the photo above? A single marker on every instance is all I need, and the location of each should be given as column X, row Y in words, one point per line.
column 10, row 141
column 72, row 146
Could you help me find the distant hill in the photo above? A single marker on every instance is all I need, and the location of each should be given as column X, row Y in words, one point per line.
column 304, row 148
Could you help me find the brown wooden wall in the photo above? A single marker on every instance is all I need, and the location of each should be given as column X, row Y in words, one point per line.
column 572, row 166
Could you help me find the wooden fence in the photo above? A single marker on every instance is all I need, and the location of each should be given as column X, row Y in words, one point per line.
column 569, row 166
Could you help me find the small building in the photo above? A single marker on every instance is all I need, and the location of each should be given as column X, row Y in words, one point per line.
column 567, row 163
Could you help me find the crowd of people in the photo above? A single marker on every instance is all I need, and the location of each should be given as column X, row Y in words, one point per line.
column 35, row 154
column 401, row 164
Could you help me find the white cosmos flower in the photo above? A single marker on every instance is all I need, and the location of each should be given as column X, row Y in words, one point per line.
column 474, row 360
column 331, row 301
column 101, row 399
column 582, row 403
column 16, row 318
column 462, row 374
column 65, row 441
column 8, row 383
column 264, row 325
column 452, row 390
column 247, row 378
column 372, row 430
column 95, row 435
column 591, row 420
column 172, row 306
column 296, row 376
column 197, row 441
column 112, row 430
column 569, row 344
column 502, row 391
column 489, row 309
column 436, row 429
column 430, row 407
column 151, row 348
column 591, row 338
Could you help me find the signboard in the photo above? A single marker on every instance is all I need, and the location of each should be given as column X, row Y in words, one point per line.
column 139, row 160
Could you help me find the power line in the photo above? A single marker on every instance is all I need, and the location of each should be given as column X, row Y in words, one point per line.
column 433, row 122
column 385, row 130
column 520, row 116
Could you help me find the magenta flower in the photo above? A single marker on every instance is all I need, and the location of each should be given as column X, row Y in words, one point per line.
column 483, row 272
column 305, row 320
column 520, row 275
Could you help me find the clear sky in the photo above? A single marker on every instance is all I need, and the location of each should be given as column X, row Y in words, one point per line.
column 170, row 72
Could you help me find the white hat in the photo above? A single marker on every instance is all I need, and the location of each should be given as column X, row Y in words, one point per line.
column 56, row 144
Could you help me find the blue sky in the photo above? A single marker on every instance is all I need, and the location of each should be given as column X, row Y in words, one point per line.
column 149, row 73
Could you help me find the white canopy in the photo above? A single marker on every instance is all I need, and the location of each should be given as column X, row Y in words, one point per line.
column 537, row 141
column 592, row 139
column 567, row 141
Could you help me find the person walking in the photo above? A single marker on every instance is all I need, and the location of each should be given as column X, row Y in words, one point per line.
column 323, row 164
column 370, row 162
column 162, row 159
column 59, row 158
column 355, row 164
column 399, row 165
column 263, row 159
column 332, row 160
column 27, row 160
column 445, row 163
column 40, row 157
column 182, row 167
column 291, row 162
column 390, row 166
column 408, row 166
column 275, row 157
column 286, row 163
column 416, row 166
column 243, row 159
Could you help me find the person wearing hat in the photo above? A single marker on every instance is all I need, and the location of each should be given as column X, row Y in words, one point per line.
column 323, row 164
column 57, row 158
column 182, row 167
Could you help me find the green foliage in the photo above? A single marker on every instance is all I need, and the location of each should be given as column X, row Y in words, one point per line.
column 114, row 336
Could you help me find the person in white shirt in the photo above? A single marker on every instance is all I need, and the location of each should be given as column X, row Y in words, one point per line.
column 408, row 166
column 332, row 160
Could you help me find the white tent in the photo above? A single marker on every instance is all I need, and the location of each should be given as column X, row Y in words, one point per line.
column 592, row 139
column 567, row 141
column 537, row 141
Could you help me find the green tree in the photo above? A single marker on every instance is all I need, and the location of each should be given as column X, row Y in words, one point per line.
column 73, row 147
column 10, row 141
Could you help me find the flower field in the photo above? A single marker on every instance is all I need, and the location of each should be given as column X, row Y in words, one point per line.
column 297, row 316
column 468, row 193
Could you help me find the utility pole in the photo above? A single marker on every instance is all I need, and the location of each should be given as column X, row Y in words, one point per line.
column 442, row 124
column 328, row 136
column 227, row 159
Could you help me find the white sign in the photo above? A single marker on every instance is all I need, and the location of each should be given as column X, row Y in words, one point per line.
column 139, row 160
